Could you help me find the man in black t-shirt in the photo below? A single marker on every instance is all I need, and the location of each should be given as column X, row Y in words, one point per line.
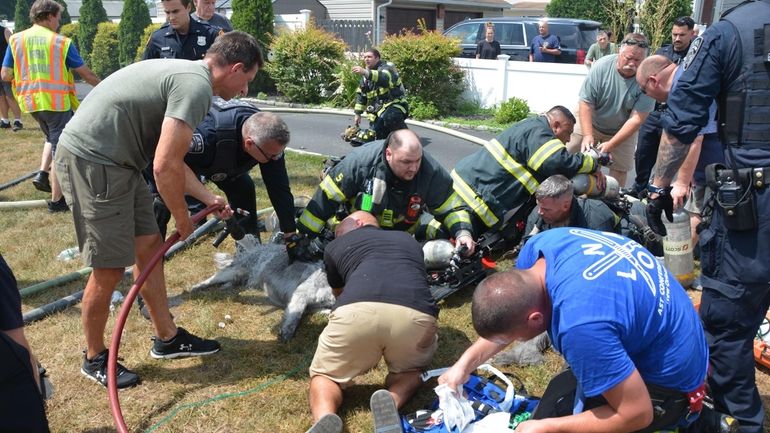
column 384, row 309
column 21, row 402
column 489, row 48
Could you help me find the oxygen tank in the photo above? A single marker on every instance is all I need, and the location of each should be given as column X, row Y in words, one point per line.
column 586, row 184
column 437, row 253
column 677, row 248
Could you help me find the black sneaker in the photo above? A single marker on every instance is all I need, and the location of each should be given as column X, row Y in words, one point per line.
column 183, row 345
column 17, row 125
column 96, row 370
column 4, row 124
column 41, row 182
column 384, row 412
column 58, row 206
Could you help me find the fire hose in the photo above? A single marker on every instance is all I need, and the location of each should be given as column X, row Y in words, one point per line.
column 112, row 360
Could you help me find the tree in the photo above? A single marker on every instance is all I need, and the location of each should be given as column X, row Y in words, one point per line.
column 133, row 20
column 104, row 58
column 657, row 17
column 255, row 17
column 583, row 9
column 91, row 14
column 21, row 19
column 65, row 15
column 7, row 9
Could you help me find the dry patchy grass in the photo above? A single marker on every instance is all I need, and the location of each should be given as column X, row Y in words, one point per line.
column 256, row 384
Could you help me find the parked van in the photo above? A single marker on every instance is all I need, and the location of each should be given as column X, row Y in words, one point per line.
column 515, row 35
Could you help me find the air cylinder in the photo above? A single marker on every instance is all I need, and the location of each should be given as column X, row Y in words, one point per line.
column 437, row 254
column 586, row 184
column 677, row 248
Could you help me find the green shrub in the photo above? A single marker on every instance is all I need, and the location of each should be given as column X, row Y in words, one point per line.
column 70, row 31
column 65, row 15
column 304, row 62
column 21, row 19
column 512, row 110
column 425, row 64
column 104, row 58
column 255, row 17
column 145, row 38
column 92, row 13
column 346, row 82
column 133, row 20
column 422, row 110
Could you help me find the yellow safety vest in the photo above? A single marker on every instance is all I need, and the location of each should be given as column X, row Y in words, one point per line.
column 41, row 79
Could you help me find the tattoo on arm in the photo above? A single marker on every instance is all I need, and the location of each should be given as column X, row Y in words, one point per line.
column 670, row 157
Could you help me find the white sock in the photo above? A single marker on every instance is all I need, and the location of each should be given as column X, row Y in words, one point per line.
column 3, row 119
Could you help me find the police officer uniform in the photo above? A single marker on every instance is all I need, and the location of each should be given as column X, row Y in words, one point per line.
column 216, row 153
column 731, row 62
column 167, row 43
column 381, row 96
column 364, row 181
column 500, row 180
column 650, row 131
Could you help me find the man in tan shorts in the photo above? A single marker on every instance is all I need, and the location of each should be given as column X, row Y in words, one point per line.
column 384, row 309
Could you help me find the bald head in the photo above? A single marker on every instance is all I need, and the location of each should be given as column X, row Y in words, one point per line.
column 656, row 76
column 651, row 66
column 404, row 154
column 354, row 221
column 503, row 301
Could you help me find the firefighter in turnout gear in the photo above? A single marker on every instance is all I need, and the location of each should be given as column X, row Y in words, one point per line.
column 381, row 97
column 497, row 182
column 395, row 181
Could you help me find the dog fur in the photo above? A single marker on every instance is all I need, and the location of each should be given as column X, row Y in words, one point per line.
column 297, row 287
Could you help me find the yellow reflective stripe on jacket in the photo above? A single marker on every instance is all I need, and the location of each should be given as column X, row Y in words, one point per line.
column 589, row 165
column 332, row 190
column 311, row 221
column 544, row 152
column 432, row 229
column 452, row 202
column 41, row 78
column 459, row 216
column 518, row 171
column 469, row 196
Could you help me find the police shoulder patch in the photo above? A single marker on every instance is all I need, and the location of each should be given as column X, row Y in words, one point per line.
column 692, row 52
column 196, row 145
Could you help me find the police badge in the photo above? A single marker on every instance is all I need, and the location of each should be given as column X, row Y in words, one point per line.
column 201, row 41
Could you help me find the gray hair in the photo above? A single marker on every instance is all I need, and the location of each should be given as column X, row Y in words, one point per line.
column 264, row 126
column 554, row 187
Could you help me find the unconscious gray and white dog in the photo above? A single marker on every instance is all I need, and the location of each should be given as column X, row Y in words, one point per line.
column 297, row 287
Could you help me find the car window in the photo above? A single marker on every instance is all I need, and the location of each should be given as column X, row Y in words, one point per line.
column 467, row 33
column 567, row 33
column 509, row 33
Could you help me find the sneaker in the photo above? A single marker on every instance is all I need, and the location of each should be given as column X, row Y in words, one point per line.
column 329, row 423
column 17, row 125
column 96, row 370
column 384, row 412
column 58, row 206
column 183, row 345
column 41, row 182
column 4, row 124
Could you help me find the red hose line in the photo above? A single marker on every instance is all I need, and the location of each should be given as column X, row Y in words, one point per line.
column 112, row 360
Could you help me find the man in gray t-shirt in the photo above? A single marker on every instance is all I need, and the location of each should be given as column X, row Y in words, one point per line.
column 612, row 106
column 144, row 112
column 205, row 13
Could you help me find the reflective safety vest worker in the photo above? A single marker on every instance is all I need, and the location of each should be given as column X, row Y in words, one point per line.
column 40, row 75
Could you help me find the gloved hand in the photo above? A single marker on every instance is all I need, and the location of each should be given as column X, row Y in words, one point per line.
column 654, row 211
column 298, row 248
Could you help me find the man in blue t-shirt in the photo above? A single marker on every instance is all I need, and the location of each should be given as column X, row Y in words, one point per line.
column 544, row 47
column 626, row 328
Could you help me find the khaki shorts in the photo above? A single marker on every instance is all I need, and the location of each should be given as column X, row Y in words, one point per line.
column 111, row 205
column 359, row 335
column 622, row 155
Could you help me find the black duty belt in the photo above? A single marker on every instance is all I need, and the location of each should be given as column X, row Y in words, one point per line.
column 661, row 106
column 757, row 175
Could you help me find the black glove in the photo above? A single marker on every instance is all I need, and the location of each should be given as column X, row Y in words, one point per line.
column 162, row 214
column 655, row 209
column 298, row 248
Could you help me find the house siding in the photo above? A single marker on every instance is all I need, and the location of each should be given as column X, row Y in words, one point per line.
column 348, row 9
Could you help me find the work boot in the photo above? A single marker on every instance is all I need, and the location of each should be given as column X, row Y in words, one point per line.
column 58, row 206
column 17, row 125
column 41, row 181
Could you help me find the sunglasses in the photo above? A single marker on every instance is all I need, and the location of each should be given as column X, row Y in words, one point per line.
column 275, row 157
column 640, row 44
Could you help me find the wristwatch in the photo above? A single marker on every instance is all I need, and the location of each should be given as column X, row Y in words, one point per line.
column 657, row 190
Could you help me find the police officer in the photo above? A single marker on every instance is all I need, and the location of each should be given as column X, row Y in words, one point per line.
column 181, row 37
column 395, row 181
column 729, row 62
column 233, row 138
column 381, row 96
column 682, row 33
